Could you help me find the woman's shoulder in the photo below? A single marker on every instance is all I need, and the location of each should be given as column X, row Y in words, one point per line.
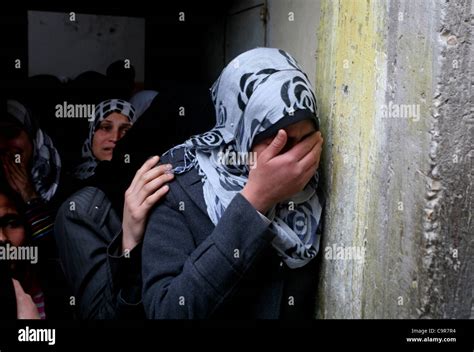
column 88, row 201
column 173, row 156
column 185, row 184
column 176, row 159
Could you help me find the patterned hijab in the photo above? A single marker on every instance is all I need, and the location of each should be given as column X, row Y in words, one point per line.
column 253, row 93
column 87, row 168
column 46, row 164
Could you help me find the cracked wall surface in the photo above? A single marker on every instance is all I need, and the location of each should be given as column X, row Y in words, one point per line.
column 394, row 82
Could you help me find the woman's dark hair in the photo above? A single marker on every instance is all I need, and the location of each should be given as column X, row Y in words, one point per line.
column 287, row 120
column 10, row 127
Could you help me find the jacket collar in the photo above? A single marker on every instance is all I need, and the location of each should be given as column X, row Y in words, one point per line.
column 190, row 182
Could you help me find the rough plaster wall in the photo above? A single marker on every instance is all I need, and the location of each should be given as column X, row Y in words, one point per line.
column 393, row 188
column 452, row 166
column 346, row 88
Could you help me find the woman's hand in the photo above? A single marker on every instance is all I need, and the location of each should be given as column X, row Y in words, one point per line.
column 25, row 307
column 148, row 187
column 279, row 176
column 17, row 175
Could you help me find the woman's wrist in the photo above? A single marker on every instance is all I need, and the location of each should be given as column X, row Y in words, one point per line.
column 259, row 203
column 128, row 242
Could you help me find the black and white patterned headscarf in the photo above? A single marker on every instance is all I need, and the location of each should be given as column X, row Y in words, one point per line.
column 46, row 163
column 87, row 168
column 256, row 90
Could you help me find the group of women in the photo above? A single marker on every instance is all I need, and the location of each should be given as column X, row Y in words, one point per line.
column 174, row 234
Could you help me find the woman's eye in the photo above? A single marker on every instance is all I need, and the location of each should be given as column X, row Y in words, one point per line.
column 106, row 128
column 13, row 224
column 124, row 131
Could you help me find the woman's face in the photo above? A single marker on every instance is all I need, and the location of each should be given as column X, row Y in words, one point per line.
column 295, row 133
column 110, row 131
column 18, row 145
column 11, row 226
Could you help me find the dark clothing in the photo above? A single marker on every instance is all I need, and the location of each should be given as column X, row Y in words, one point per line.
column 157, row 130
column 106, row 283
column 193, row 269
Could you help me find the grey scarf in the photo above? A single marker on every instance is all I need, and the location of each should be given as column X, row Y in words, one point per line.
column 256, row 90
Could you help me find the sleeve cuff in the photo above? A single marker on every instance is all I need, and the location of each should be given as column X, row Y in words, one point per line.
column 125, row 268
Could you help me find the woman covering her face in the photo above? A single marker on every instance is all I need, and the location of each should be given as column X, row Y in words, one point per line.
column 248, row 112
column 112, row 119
column 30, row 161
column 237, row 239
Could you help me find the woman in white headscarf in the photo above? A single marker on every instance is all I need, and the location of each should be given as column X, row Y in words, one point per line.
column 221, row 216
column 112, row 119
column 99, row 244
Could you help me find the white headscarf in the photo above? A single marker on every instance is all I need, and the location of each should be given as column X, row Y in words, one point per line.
column 87, row 168
column 256, row 90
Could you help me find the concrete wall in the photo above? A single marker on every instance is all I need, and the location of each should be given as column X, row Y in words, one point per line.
column 399, row 188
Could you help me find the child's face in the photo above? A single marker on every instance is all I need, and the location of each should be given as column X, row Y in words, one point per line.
column 11, row 226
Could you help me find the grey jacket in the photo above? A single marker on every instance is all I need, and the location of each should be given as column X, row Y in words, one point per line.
column 193, row 269
column 105, row 283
